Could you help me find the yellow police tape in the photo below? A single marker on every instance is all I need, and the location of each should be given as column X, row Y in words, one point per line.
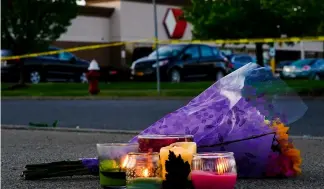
column 220, row 41
column 70, row 50
column 244, row 41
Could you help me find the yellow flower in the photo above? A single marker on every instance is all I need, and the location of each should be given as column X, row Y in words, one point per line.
column 286, row 147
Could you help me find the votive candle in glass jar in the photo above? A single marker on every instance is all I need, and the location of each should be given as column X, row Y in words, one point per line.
column 153, row 143
column 143, row 170
column 213, row 170
column 112, row 162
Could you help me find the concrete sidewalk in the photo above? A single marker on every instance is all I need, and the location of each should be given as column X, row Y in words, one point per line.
column 21, row 147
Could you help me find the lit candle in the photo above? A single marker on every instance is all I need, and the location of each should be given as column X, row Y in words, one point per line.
column 112, row 160
column 145, row 181
column 124, row 162
column 143, row 171
column 219, row 173
column 185, row 149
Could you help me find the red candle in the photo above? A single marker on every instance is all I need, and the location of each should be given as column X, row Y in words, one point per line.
column 153, row 143
column 210, row 180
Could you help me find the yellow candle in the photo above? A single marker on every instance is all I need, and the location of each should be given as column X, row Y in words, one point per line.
column 185, row 149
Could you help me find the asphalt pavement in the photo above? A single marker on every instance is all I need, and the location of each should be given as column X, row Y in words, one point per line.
column 124, row 114
column 21, row 147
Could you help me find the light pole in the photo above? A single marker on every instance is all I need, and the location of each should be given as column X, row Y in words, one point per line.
column 156, row 44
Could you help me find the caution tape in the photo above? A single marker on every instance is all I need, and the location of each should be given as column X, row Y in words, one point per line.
column 219, row 41
column 245, row 41
column 89, row 47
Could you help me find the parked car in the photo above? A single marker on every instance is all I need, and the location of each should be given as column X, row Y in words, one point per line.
column 183, row 61
column 281, row 64
column 239, row 60
column 57, row 67
column 305, row 69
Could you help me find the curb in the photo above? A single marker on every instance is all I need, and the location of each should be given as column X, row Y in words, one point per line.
column 127, row 132
column 124, row 98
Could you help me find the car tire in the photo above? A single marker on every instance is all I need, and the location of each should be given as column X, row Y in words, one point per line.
column 175, row 76
column 219, row 75
column 34, row 77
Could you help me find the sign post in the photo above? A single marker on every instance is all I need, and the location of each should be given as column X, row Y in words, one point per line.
column 272, row 53
column 156, row 44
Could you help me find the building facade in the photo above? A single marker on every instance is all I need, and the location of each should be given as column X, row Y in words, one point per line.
column 108, row 21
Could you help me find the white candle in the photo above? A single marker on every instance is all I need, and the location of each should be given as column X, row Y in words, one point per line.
column 185, row 149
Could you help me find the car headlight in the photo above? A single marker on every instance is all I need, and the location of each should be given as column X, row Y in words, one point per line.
column 161, row 63
column 286, row 69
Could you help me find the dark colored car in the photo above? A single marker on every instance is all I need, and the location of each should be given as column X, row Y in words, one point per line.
column 57, row 67
column 311, row 68
column 183, row 61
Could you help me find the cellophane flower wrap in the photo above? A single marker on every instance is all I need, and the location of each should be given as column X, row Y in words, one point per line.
column 245, row 113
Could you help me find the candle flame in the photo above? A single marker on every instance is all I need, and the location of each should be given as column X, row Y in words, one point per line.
column 125, row 162
column 145, row 172
column 222, row 165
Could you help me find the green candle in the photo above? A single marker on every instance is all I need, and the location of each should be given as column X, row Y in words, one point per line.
column 145, row 182
column 110, row 174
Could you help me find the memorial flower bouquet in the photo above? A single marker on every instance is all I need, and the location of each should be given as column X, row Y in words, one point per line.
column 245, row 112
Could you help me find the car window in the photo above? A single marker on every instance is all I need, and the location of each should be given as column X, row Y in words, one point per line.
column 51, row 56
column 243, row 59
column 65, row 56
column 193, row 51
column 247, row 59
column 319, row 64
column 167, row 51
column 216, row 52
column 206, row 51
column 303, row 62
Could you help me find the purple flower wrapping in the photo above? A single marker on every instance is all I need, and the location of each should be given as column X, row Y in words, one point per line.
column 92, row 164
column 230, row 116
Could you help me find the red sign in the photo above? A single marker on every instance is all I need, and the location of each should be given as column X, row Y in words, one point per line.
column 174, row 23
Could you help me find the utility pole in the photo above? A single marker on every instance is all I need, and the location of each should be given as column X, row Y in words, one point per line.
column 156, row 44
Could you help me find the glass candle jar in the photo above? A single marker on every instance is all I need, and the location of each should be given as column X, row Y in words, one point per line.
column 214, row 170
column 112, row 162
column 153, row 143
column 143, row 170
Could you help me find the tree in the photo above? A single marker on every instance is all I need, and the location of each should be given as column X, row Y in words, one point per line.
column 233, row 19
column 32, row 25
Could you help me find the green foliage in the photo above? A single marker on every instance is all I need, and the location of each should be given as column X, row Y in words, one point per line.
column 255, row 18
column 298, row 17
column 177, row 172
column 234, row 19
column 32, row 25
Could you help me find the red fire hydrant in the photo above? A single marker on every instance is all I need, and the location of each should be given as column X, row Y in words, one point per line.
column 93, row 78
